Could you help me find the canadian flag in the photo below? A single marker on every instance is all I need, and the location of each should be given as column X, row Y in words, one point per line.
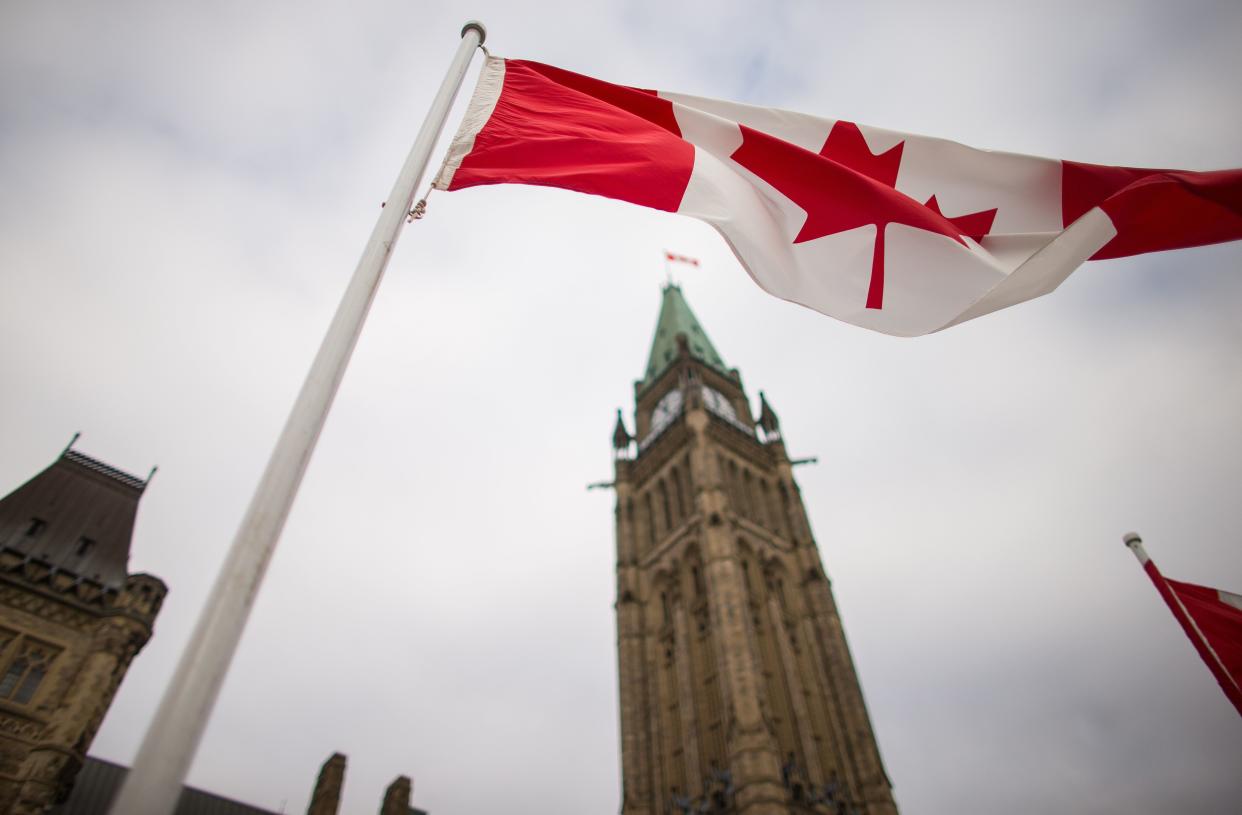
column 902, row 234
column 1211, row 618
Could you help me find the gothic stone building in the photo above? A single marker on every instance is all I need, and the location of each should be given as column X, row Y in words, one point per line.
column 738, row 693
column 71, row 620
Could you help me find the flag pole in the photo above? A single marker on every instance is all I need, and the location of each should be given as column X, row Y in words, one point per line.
column 154, row 784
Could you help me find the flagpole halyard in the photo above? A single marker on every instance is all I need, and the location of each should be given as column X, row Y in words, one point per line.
column 154, row 784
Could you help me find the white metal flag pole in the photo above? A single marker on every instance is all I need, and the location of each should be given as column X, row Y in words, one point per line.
column 154, row 783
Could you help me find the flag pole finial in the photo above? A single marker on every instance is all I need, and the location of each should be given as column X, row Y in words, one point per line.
column 477, row 26
column 1135, row 544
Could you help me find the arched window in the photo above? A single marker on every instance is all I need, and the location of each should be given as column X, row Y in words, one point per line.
column 678, row 492
column 757, row 513
column 668, row 513
column 748, row 511
column 785, row 510
column 751, row 595
column 651, row 520
column 765, row 501
column 25, row 672
column 733, row 486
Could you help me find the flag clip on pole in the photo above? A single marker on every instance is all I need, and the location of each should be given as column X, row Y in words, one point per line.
column 153, row 786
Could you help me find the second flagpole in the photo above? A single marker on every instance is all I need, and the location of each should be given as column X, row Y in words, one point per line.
column 154, row 784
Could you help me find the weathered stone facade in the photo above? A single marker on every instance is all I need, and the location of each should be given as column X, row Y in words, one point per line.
column 71, row 621
column 738, row 693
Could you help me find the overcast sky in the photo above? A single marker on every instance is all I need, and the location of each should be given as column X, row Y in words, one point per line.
column 184, row 191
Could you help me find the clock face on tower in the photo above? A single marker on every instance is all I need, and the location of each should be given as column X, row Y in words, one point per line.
column 668, row 407
column 716, row 402
column 666, row 410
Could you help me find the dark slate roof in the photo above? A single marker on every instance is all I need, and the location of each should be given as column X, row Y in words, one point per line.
column 86, row 510
column 677, row 318
column 99, row 781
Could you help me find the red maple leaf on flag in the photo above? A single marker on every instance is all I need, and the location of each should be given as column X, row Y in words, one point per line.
column 846, row 186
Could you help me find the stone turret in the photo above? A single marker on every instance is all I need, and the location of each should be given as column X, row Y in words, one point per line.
column 768, row 421
column 326, row 799
column 72, row 619
column 397, row 797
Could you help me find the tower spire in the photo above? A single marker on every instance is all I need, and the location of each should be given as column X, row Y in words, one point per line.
column 676, row 319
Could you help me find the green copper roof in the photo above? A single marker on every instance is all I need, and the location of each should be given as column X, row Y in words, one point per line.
column 677, row 318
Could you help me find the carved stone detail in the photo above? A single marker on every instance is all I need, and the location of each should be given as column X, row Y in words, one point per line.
column 19, row 726
column 43, row 607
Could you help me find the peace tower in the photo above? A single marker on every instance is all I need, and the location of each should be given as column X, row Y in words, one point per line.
column 738, row 693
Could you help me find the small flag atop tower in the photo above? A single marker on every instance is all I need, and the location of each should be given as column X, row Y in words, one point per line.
column 672, row 257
